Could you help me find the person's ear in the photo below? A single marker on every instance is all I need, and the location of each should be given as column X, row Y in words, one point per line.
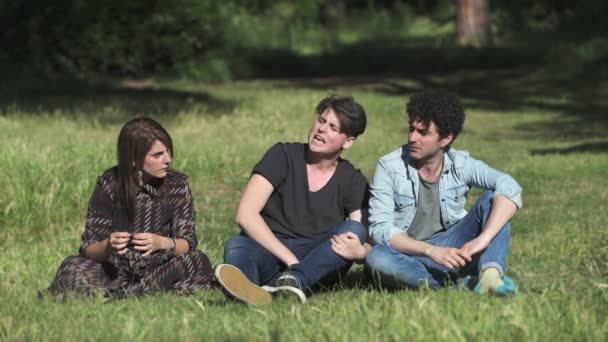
column 348, row 143
column 445, row 141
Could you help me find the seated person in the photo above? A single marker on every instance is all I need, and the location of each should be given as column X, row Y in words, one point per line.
column 423, row 234
column 293, row 210
column 140, row 229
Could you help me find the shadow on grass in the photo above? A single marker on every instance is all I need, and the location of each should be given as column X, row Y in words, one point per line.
column 490, row 79
column 581, row 104
column 107, row 103
column 394, row 57
column 600, row 147
column 354, row 279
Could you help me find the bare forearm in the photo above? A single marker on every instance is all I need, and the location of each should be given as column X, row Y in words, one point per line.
column 258, row 230
column 181, row 247
column 99, row 251
column 501, row 212
column 446, row 256
column 365, row 249
column 410, row 246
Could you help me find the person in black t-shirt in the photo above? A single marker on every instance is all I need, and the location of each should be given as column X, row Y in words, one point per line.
column 301, row 212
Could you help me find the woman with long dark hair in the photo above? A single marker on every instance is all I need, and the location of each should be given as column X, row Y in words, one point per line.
column 140, row 229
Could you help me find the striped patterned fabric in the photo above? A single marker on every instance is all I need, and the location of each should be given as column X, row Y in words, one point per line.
column 167, row 211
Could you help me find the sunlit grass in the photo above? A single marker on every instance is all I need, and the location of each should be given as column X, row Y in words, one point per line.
column 50, row 162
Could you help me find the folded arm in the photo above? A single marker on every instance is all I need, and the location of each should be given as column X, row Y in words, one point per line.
column 501, row 213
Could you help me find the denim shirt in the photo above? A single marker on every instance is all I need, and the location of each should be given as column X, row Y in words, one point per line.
column 394, row 190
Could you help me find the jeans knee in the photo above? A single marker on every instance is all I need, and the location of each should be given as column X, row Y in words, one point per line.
column 486, row 198
column 354, row 227
column 235, row 247
column 379, row 258
column 484, row 204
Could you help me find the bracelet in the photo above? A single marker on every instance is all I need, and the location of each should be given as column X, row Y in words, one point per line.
column 171, row 250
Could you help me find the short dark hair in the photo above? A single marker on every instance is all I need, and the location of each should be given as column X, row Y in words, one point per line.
column 350, row 113
column 439, row 106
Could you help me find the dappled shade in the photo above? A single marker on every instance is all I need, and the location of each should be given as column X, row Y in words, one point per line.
column 108, row 103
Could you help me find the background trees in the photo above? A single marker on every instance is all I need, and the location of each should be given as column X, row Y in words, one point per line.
column 221, row 40
column 473, row 22
column 109, row 37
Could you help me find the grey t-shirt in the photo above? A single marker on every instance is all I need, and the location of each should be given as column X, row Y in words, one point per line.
column 427, row 222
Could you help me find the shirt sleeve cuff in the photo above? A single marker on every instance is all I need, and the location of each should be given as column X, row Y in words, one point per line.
column 386, row 235
column 192, row 241
column 515, row 198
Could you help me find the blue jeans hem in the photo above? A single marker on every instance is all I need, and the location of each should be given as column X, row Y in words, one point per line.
column 496, row 265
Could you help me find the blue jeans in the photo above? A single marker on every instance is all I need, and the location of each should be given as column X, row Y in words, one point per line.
column 317, row 260
column 395, row 269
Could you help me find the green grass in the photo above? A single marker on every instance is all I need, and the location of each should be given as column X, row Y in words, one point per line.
column 54, row 146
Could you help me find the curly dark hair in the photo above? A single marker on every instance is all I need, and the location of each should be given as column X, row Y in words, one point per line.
column 350, row 113
column 440, row 107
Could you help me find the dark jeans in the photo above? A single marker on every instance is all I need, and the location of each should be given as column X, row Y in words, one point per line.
column 393, row 268
column 317, row 260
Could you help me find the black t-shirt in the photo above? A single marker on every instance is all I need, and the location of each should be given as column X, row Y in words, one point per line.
column 295, row 211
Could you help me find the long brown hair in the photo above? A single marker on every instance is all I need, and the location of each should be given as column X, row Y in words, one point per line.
column 134, row 141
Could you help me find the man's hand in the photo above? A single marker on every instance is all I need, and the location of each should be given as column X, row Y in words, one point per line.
column 474, row 246
column 348, row 246
column 449, row 257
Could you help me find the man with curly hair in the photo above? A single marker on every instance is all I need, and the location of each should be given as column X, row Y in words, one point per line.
column 423, row 234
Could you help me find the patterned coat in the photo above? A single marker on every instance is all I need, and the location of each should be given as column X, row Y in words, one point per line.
column 163, row 210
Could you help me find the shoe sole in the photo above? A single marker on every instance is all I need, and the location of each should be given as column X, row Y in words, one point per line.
column 239, row 287
column 287, row 291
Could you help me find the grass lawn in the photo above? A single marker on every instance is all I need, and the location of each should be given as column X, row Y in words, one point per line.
column 57, row 137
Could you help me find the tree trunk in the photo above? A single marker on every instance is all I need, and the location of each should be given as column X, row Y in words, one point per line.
column 473, row 22
column 333, row 14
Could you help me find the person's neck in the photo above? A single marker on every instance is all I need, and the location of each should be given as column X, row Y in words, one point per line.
column 321, row 161
column 430, row 169
column 153, row 181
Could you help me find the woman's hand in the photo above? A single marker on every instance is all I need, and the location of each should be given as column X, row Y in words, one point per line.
column 151, row 243
column 118, row 242
column 348, row 246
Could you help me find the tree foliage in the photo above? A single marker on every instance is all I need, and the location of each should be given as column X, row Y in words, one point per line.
column 215, row 38
column 113, row 36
